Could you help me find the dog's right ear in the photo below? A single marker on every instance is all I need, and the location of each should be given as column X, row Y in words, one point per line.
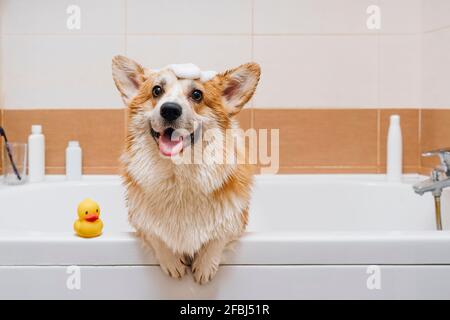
column 128, row 76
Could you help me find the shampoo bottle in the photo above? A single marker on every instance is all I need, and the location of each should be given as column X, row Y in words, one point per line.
column 394, row 150
column 73, row 161
column 36, row 154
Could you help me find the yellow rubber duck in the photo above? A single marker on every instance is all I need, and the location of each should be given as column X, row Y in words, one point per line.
column 88, row 224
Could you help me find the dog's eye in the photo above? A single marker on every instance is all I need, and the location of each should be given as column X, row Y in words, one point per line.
column 157, row 91
column 197, row 95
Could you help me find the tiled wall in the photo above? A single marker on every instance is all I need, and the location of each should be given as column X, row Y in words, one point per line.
column 435, row 133
column 328, row 83
column 321, row 54
column 436, row 57
column 314, row 53
column 101, row 133
column 435, row 76
column 311, row 140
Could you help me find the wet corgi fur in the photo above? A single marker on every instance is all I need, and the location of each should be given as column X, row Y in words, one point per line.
column 187, row 213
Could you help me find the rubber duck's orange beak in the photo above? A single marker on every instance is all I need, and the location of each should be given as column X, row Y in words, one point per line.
column 91, row 217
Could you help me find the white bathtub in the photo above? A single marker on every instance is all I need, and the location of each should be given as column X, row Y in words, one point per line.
column 310, row 236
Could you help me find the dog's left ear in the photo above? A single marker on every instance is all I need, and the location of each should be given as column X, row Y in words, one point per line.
column 238, row 86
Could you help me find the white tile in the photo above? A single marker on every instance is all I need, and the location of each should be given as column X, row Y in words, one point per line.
column 436, row 69
column 317, row 71
column 208, row 52
column 187, row 17
column 400, row 62
column 50, row 16
column 436, row 14
column 311, row 16
column 401, row 16
column 60, row 71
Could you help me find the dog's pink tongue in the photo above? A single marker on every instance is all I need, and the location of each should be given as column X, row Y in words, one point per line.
column 169, row 147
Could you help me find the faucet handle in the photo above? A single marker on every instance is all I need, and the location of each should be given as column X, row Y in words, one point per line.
column 444, row 157
column 437, row 152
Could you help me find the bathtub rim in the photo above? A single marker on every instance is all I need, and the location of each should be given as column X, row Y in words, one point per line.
column 262, row 248
column 364, row 178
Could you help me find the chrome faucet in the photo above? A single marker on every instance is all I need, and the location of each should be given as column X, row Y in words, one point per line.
column 440, row 176
column 439, row 180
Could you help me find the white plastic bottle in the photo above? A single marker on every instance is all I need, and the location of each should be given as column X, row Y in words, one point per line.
column 73, row 161
column 36, row 154
column 394, row 150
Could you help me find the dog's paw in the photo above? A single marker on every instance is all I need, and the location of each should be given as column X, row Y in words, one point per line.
column 173, row 266
column 204, row 270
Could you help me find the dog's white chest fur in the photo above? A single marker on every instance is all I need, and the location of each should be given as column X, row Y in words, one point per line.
column 177, row 204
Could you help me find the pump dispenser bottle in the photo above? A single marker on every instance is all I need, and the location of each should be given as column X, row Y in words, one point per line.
column 36, row 154
column 394, row 150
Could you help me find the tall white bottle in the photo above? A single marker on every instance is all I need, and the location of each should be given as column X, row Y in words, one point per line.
column 73, row 161
column 394, row 150
column 36, row 154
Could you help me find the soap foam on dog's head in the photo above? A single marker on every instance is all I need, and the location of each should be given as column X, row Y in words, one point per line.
column 191, row 71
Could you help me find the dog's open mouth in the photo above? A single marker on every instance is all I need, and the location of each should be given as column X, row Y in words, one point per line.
column 171, row 143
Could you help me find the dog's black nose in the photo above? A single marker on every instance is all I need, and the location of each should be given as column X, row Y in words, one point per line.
column 170, row 111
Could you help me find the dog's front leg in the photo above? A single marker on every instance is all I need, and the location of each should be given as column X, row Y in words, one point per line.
column 207, row 260
column 171, row 264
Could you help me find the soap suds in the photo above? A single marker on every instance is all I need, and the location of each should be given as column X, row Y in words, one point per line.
column 207, row 75
column 191, row 71
column 186, row 71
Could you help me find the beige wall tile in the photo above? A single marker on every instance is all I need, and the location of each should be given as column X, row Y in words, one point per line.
column 401, row 16
column 315, row 138
column 60, row 71
column 188, row 17
column 208, row 52
column 400, row 70
column 100, row 132
column 436, row 69
column 50, row 17
column 436, row 14
column 409, row 121
column 311, row 16
column 317, row 71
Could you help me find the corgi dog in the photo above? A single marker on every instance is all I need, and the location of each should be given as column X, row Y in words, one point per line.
column 186, row 212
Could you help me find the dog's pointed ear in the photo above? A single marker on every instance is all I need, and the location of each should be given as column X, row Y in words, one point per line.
column 128, row 76
column 238, row 86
